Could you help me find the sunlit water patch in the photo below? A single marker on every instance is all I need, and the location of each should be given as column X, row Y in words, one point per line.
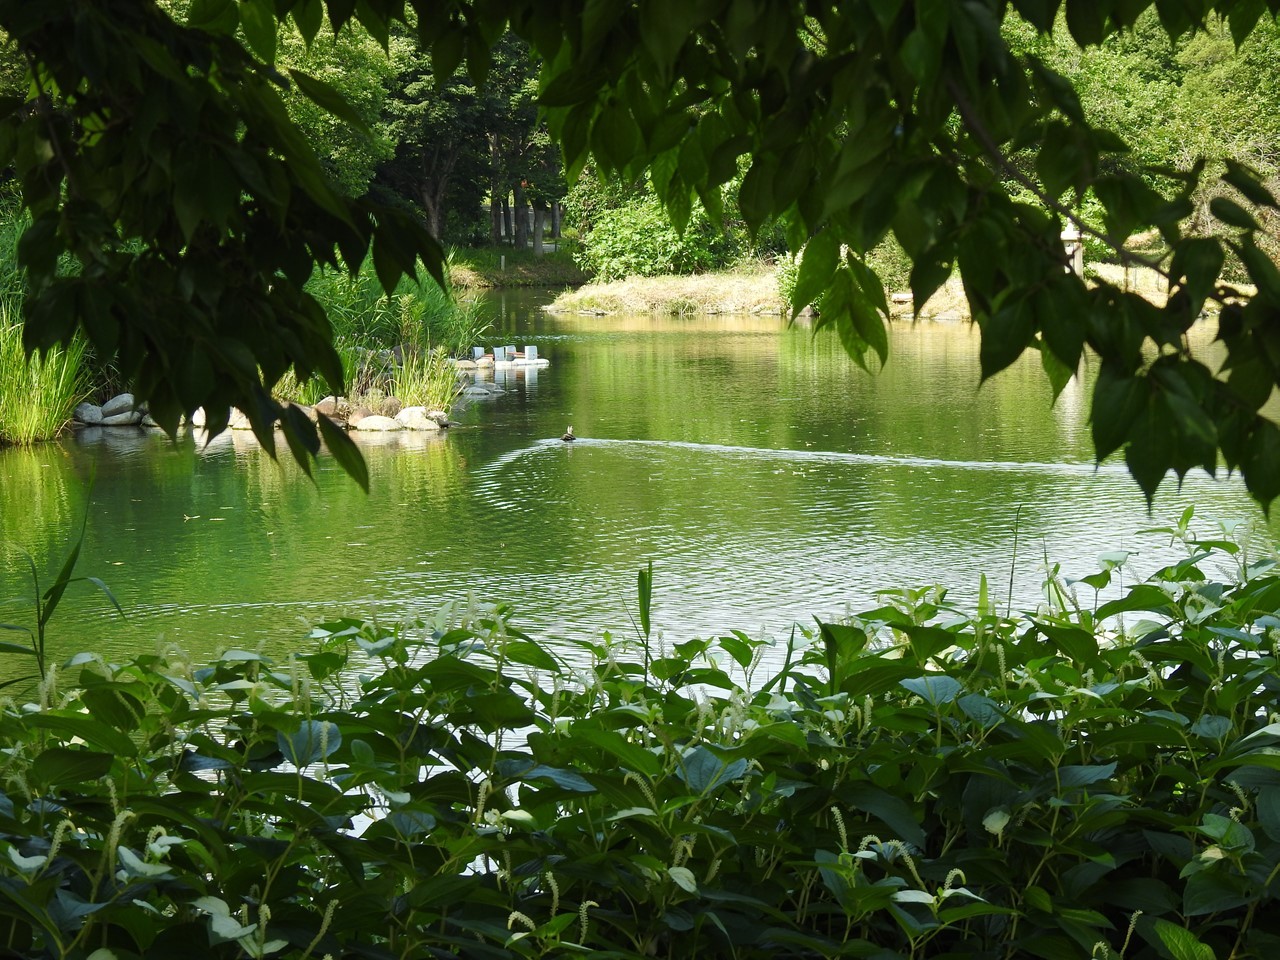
column 766, row 477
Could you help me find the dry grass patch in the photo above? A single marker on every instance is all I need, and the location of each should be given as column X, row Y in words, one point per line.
column 751, row 291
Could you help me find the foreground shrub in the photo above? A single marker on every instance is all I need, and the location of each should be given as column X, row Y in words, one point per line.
column 915, row 782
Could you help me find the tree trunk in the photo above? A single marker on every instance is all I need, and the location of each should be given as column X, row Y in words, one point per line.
column 521, row 210
column 495, row 218
column 539, row 221
column 507, row 222
column 434, row 212
column 555, row 220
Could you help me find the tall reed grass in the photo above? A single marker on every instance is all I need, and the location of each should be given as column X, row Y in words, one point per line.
column 421, row 322
column 426, row 379
column 413, row 315
column 37, row 394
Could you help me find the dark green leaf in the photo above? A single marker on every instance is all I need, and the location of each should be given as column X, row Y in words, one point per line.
column 327, row 98
column 64, row 765
column 344, row 451
column 1232, row 214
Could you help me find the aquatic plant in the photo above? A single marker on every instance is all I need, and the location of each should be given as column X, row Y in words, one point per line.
column 37, row 394
column 917, row 781
column 426, row 379
column 415, row 314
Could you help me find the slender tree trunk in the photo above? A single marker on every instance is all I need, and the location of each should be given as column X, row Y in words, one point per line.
column 521, row 211
column 555, row 219
column 539, row 222
column 507, row 222
column 434, row 214
column 495, row 218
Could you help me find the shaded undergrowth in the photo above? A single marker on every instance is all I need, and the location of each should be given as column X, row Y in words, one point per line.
column 918, row 781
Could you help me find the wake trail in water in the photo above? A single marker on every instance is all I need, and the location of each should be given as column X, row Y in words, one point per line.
column 815, row 456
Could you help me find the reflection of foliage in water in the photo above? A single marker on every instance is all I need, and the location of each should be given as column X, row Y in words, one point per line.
column 41, row 497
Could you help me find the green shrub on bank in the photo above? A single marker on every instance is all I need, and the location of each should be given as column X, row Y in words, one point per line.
column 915, row 782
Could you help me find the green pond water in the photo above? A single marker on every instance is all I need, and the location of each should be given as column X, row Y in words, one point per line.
column 766, row 476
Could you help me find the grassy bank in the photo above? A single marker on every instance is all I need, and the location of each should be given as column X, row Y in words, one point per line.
column 478, row 268
column 752, row 289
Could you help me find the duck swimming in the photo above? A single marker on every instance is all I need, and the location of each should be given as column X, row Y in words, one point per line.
column 568, row 436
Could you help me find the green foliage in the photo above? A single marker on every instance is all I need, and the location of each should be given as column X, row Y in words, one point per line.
column 162, row 161
column 354, row 66
column 37, row 394
column 44, row 605
column 915, row 781
column 625, row 232
column 413, row 314
column 425, row 378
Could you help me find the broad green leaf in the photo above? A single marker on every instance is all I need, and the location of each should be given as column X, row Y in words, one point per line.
column 64, row 765
column 1248, row 183
column 1181, row 943
column 314, row 740
column 328, row 98
column 818, row 263
column 702, row 771
column 934, row 690
column 1232, row 214
column 344, row 451
column 684, row 879
column 258, row 21
column 1082, row 775
column 893, row 810
column 565, row 779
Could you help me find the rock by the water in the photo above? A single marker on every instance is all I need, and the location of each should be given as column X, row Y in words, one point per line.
column 328, row 406
column 378, row 423
column 123, row 403
column 388, row 406
column 464, row 364
column 197, row 417
column 88, row 413
column 147, row 421
column 416, row 418
column 130, row 418
column 239, row 420
column 439, row 416
column 358, row 414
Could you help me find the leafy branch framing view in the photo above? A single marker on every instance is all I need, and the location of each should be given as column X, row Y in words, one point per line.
column 156, row 154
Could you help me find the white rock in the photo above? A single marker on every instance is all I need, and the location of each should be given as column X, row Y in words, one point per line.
column 415, row 418
column 197, row 417
column 239, row 420
column 89, row 413
column 378, row 424
column 439, row 416
column 117, row 405
column 130, row 418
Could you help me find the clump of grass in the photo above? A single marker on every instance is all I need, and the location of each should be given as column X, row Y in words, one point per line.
column 37, row 395
column 426, row 379
column 416, row 315
column 421, row 322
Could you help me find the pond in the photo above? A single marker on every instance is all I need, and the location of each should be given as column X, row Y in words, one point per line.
column 765, row 475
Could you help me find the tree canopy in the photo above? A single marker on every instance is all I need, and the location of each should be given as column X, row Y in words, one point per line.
column 177, row 210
